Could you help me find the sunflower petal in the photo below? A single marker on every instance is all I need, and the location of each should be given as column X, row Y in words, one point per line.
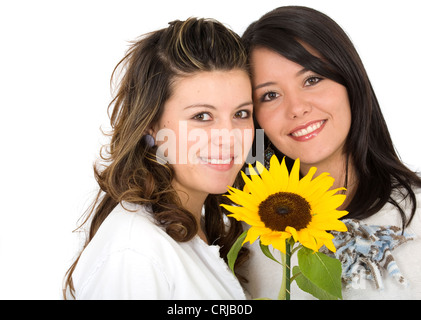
column 244, row 214
column 277, row 241
column 293, row 232
column 307, row 178
column 307, row 240
column 329, row 244
column 252, row 235
column 329, row 201
column 280, row 174
column 266, row 178
column 254, row 186
column 331, row 224
column 243, row 198
column 294, row 177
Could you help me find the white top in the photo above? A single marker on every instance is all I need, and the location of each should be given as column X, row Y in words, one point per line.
column 130, row 257
column 265, row 275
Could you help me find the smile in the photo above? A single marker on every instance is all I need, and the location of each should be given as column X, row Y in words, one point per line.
column 309, row 131
column 217, row 161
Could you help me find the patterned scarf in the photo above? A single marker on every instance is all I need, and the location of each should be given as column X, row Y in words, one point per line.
column 366, row 250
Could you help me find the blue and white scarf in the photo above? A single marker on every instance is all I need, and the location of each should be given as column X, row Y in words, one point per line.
column 366, row 250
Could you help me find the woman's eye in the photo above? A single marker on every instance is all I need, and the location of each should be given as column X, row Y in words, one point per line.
column 311, row 81
column 269, row 96
column 243, row 114
column 204, row 116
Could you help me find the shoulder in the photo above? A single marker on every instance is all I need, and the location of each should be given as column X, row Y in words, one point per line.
column 124, row 255
column 130, row 227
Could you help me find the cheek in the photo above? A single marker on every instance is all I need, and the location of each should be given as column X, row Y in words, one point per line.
column 265, row 118
column 341, row 114
column 271, row 123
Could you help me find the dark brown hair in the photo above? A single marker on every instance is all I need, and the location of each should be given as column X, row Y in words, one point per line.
column 378, row 167
column 131, row 172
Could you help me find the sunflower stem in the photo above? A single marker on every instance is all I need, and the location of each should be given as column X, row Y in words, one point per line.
column 282, row 291
column 285, row 291
column 288, row 270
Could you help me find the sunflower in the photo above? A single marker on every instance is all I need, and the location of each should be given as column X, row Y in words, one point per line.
column 278, row 205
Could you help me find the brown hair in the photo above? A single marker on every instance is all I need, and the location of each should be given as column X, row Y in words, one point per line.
column 131, row 172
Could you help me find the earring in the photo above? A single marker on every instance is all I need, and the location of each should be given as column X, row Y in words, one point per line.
column 150, row 141
column 268, row 154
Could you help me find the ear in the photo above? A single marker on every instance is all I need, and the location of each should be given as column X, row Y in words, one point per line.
column 151, row 131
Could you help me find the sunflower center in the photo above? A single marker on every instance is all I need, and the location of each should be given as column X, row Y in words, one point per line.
column 284, row 209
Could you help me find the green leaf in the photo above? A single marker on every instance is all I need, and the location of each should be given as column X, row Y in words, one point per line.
column 308, row 286
column 320, row 274
column 267, row 253
column 235, row 249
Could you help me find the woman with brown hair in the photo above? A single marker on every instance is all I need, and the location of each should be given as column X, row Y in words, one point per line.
column 315, row 102
column 156, row 228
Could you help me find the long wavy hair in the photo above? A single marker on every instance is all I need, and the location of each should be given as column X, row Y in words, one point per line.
column 129, row 171
column 379, row 169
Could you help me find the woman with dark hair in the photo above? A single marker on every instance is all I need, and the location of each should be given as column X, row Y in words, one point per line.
column 314, row 100
column 156, row 228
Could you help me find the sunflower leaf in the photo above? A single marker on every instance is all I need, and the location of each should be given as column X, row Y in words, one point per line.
column 320, row 274
column 308, row 286
column 267, row 253
column 235, row 249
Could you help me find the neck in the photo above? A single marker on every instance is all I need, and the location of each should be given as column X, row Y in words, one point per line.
column 342, row 170
column 194, row 204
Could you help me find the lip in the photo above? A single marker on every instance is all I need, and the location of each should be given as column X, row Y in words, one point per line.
column 308, row 131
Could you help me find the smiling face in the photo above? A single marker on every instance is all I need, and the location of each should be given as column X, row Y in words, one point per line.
column 304, row 115
column 207, row 126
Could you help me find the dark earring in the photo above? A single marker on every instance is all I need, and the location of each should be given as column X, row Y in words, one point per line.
column 150, row 141
column 268, row 154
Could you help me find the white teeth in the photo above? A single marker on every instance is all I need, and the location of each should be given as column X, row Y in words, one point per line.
column 217, row 161
column 308, row 130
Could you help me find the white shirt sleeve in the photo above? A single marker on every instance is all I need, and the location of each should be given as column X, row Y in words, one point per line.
column 126, row 274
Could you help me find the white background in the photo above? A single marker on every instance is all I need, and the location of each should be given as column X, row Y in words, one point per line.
column 56, row 59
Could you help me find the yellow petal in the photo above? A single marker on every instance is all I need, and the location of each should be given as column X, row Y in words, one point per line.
column 329, row 244
column 244, row 214
column 294, row 177
column 293, row 232
column 244, row 199
column 266, row 178
column 306, row 180
column 252, row 235
column 328, row 201
column 327, row 224
column 277, row 240
column 307, row 240
column 260, row 168
column 320, row 234
column 319, row 186
column 254, row 188
column 280, row 174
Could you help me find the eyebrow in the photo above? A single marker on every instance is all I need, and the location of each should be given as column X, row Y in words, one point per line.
column 271, row 83
column 266, row 84
column 209, row 106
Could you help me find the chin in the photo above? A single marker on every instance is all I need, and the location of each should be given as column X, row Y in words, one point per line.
column 219, row 188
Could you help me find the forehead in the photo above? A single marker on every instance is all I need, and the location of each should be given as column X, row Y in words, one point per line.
column 266, row 62
column 211, row 87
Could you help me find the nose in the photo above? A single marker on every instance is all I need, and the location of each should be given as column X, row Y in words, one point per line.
column 223, row 135
column 296, row 105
